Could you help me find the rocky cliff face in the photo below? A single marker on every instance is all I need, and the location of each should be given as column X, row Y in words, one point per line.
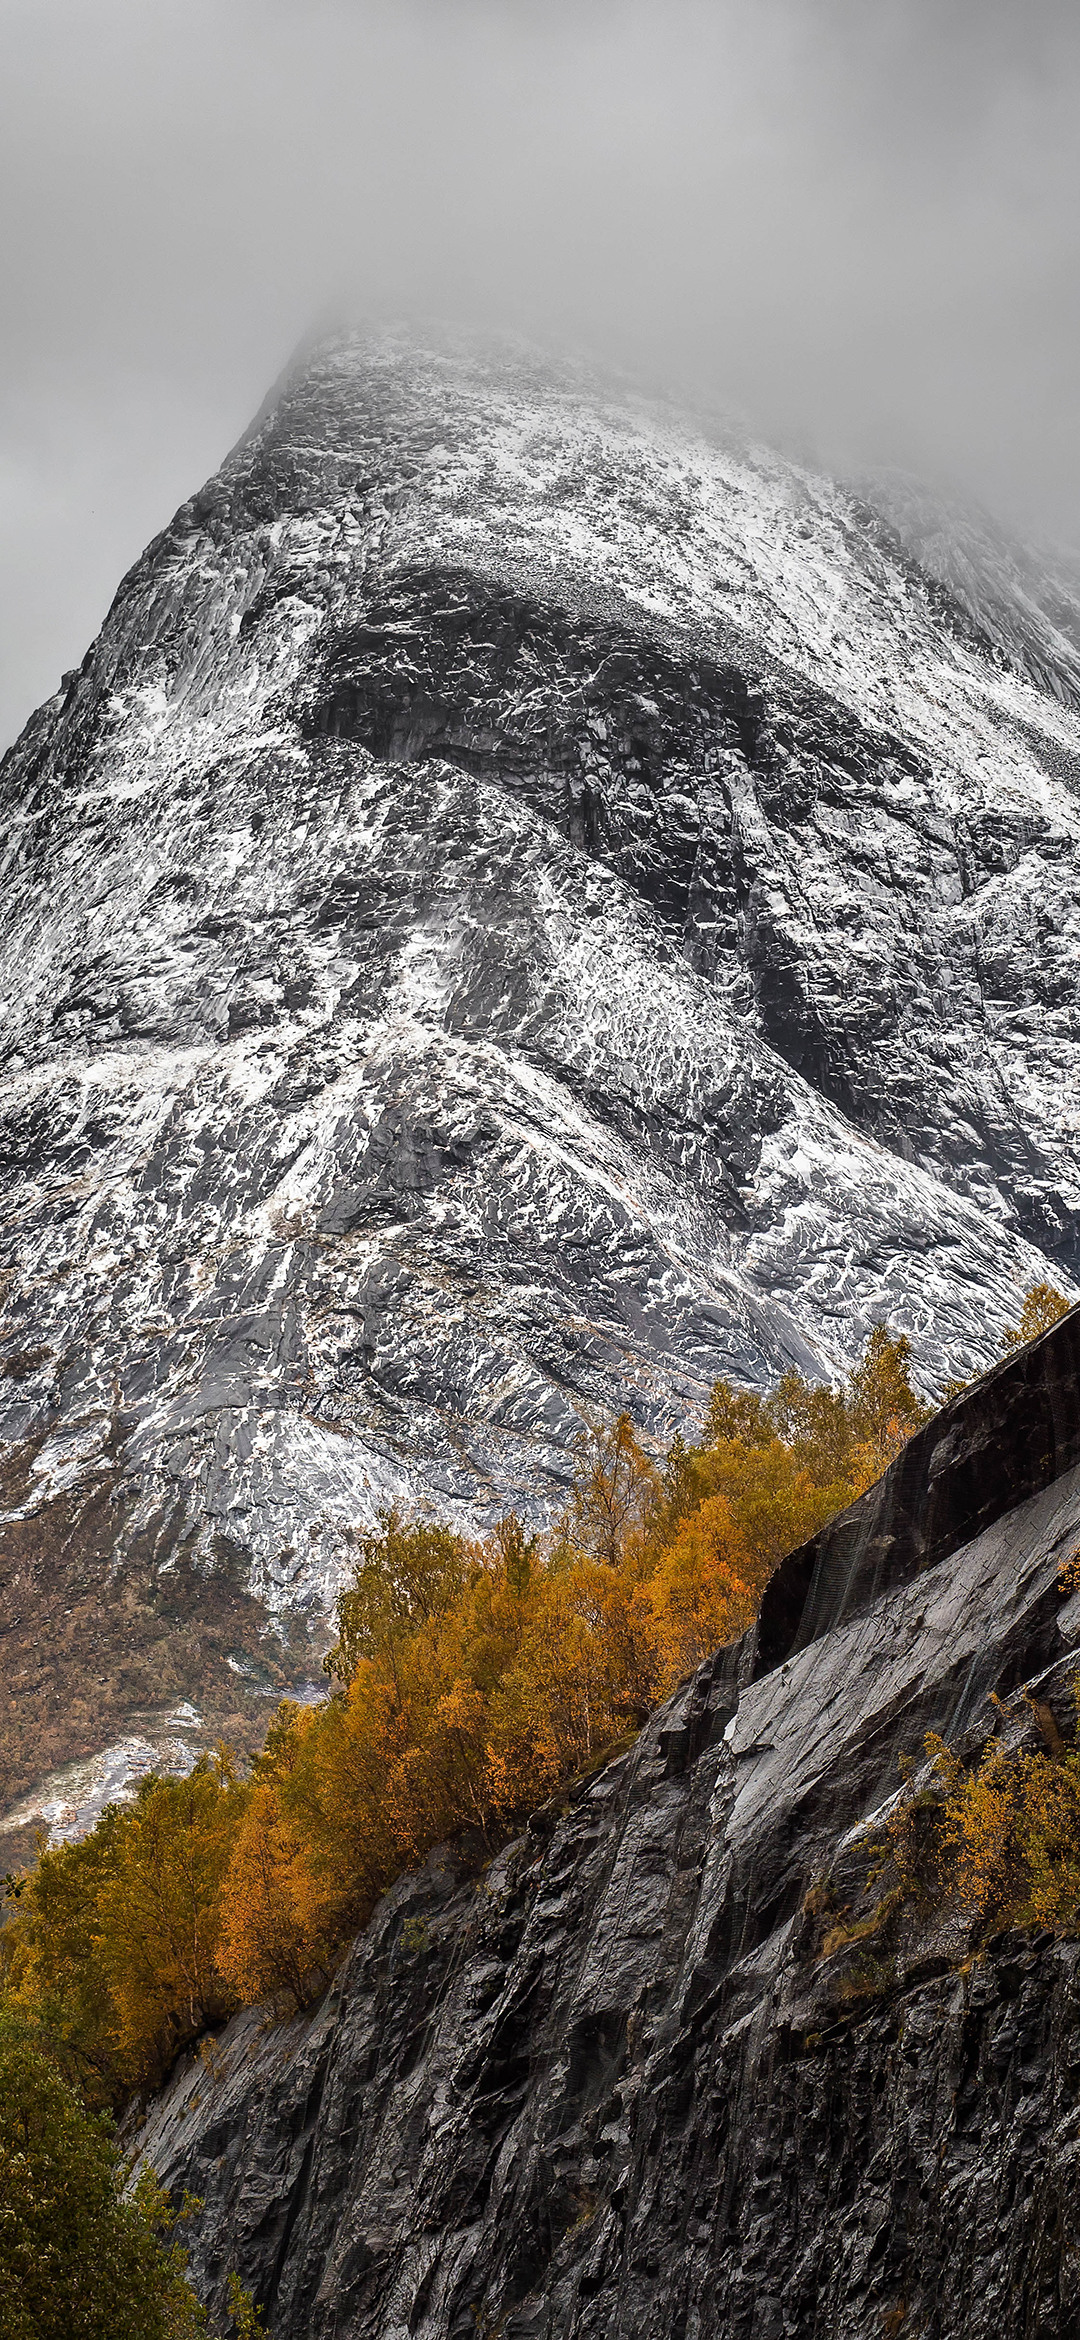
column 529, row 903
column 613, row 2083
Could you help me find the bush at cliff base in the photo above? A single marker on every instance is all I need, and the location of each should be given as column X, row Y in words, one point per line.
column 77, row 2261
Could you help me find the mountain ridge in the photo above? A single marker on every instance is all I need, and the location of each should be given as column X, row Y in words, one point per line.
column 523, row 909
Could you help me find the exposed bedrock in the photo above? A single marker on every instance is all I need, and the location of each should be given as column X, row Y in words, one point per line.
column 611, row 2085
column 529, row 903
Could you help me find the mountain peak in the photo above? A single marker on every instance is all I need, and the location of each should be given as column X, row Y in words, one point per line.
column 530, row 903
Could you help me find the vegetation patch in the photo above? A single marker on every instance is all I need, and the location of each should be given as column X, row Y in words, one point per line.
column 473, row 1682
column 92, row 1648
column 1000, row 1836
column 78, row 2261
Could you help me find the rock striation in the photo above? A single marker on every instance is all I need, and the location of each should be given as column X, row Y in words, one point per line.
column 530, row 902
column 618, row 2083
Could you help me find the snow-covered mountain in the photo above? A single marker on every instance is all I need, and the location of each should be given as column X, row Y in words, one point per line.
column 529, row 903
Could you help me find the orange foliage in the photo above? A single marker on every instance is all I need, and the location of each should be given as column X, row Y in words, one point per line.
column 1003, row 1835
column 471, row 1680
column 274, row 1937
column 114, row 1944
column 1043, row 1305
column 1013, row 1828
column 703, row 1592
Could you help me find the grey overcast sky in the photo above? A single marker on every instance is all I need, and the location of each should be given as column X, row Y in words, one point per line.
column 859, row 220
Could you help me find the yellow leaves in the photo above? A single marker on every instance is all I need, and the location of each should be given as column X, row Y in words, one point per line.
column 442, row 1775
column 1043, row 1305
column 1069, row 1574
column 813, row 1421
column 346, row 1791
column 621, row 1615
column 882, row 1406
column 703, row 1592
column 408, row 1573
column 774, row 1501
column 981, row 1829
column 459, row 1715
column 739, row 1415
column 275, row 1927
column 1003, row 1835
column 614, row 1483
column 159, row 1916
column 866, row 1462
column 116, row 1939
column 946, row 1766
column 841, row 1439
column 1014, row 1824
column 471, row 1681
column 555, row 1698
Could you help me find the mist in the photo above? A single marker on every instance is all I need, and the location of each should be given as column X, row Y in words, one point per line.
column 857, row 221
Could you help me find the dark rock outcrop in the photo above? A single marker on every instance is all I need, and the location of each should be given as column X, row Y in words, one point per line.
column 972, row 1462
column 529, row 903
column 612, row 2085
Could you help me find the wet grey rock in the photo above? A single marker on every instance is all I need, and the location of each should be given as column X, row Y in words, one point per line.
column 974, row 1460
column 612, row 2084
column 529, row 903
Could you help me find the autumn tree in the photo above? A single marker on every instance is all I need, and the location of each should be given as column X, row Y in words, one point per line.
column 814, row 1422
column 742, row 1415
column 275, row 1939
column 882, row 1406
column 518, row 1553
column 77, row 2261
column 1043, row 1305
column 159, row 1914
column 471, row 1678
column 614, row 1481
column 407, row 1573
column 50, row 1958
column 703, row 1590
column 841, row 1436
column 1006, row 1833
column 114, row 1940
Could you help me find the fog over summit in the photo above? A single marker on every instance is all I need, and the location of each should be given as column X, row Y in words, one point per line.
column 858, row 224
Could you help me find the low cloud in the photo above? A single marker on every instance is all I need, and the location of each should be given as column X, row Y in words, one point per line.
column 857, row 222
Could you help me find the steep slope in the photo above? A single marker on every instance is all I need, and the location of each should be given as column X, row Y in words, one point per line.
column 528, row 903
column 618, row 2083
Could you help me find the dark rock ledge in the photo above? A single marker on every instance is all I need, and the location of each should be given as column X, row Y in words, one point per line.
column 604, row 2089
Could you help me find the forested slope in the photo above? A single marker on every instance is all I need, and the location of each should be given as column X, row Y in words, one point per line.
column 730, row 2040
